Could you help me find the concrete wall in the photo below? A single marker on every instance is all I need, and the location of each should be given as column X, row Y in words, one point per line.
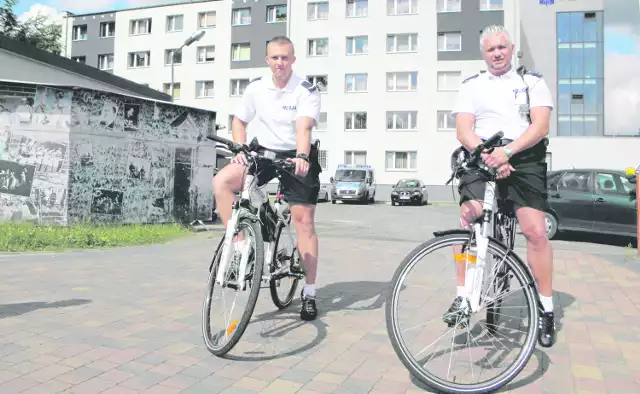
column 257, row 33
column 68, row 156
column 94, row 45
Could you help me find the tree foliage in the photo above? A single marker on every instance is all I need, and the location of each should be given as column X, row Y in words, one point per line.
column 38, row 30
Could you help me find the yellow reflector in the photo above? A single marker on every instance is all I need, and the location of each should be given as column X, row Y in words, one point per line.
column 464, row 258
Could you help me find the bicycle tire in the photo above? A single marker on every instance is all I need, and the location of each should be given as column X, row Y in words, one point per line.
column 440, row 385
column 272, row 283
column 254, row 291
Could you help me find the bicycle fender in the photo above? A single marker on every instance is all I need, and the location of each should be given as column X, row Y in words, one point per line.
column 452, row 231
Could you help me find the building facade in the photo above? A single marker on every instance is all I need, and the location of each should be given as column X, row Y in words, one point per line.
column 388, row 70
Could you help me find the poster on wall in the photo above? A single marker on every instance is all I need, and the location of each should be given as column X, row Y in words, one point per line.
column 621, row 65
column 16, row 178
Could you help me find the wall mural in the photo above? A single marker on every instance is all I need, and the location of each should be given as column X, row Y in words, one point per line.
column 82, row 155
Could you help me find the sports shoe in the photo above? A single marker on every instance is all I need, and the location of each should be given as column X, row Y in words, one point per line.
column 547, row 334
column 308, row 310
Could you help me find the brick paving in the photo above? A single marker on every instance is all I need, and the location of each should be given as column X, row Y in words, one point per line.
column 128, row 321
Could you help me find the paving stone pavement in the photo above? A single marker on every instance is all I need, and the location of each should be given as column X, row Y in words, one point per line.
column 129, row 321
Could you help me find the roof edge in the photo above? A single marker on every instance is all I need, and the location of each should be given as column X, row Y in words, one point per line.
column 143, row 7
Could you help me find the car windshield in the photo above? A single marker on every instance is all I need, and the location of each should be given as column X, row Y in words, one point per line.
column 350, row 175
column 407, row 183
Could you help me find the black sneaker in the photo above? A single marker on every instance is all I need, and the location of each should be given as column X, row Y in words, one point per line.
column 547, row 334
column 456, row 312
column 308, row 310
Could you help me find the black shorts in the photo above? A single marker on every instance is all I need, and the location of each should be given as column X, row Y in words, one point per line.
column 302, row 189
column 526, row 187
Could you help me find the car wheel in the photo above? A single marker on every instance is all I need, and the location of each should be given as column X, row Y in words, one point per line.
column 551, row 225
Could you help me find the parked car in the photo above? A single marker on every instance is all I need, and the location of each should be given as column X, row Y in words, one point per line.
column 409, row 191
column 592, row 200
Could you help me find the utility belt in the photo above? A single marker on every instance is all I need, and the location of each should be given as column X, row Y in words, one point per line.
column 290, row 154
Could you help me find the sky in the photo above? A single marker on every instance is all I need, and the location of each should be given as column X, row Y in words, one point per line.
column 54, row 7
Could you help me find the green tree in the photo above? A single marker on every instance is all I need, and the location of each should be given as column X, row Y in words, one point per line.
column 37, row 31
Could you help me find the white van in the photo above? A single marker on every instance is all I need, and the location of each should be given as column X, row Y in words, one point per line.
column 353, row 182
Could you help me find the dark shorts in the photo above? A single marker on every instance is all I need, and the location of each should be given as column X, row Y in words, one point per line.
column 302, row 189
column 526, row 187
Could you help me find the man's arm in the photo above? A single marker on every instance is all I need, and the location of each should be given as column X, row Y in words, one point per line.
column 541, row 104
column 308, row 113
column 244, row 113
column 464, row 111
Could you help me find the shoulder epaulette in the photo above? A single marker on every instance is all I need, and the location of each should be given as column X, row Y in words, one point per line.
column 534, row 73
column 522, row 70
column 255, row 79
column 471, row 77
column 308, row 85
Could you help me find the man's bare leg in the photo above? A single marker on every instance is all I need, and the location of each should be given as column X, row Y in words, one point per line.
column 539, row 251
column 303, row 216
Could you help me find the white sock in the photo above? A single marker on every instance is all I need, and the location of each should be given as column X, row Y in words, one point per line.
column 547, row 303
column 309, row 290
column 461, row 291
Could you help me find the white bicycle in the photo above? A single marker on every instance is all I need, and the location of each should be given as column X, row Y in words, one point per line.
column 262, row 225
column 490, row 261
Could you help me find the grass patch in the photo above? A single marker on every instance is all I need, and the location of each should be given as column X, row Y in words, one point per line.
column 22, row 237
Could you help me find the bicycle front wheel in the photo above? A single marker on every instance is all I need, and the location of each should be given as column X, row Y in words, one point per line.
column 466, row 341
column 220, row 340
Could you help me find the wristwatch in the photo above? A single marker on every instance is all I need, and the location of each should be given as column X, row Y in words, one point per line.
column 303, row 156
column 508, row 152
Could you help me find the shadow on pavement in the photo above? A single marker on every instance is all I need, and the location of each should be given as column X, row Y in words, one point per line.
column 10, row 310
column 351, row 296
column 561, row 302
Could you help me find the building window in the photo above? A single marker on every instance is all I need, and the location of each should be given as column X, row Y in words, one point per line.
column 323, row 159
column 320, row 81
column 241, row 16
column 355, row 157
column 446, row 121
column 402, row 81
column 79, row 33
column 174, row 23
column 357, row 45
column 355, row 121
column 105, row 62
column 206, row 20
column 176, row 90
column 355, row 82
column 139, row 59
column 450, row 5
column 449, row 41
column 276, row 13
column 322, row 122
column 168, row 57
column 399, row 43
column 238, row 86
column 107, row 29
column 401, row 160
column 140, row 26
column 357, row 8
column 449, row 81
column 79, row 59
column 318, row 10
column 402, row 120
column 491, row 5
column 402, row 7
column 580, row 54
column 318, row 47
column 204, row 89
column 240, row 52
column 206, row 54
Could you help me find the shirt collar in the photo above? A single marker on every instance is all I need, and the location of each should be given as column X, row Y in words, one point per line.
column 508, row 75
column 289, row 87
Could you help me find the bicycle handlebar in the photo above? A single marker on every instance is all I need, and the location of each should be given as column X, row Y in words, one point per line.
column 237, row 148
column 475, row 155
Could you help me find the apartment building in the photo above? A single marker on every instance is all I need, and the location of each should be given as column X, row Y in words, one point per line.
column 388, row 70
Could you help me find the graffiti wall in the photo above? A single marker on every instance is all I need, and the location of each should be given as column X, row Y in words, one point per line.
column 69, row 156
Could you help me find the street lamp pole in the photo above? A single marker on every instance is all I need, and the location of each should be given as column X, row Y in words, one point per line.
column 196, row 36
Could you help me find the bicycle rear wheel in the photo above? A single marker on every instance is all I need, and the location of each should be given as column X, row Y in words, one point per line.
column 233, row 330
column 280, row 270
column 443, row 245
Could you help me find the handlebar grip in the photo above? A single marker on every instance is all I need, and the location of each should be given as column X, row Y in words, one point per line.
column 494, row 138
column 221, row 140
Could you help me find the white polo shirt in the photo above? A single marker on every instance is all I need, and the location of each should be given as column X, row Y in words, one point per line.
column 272, row 112
column 497, row 102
